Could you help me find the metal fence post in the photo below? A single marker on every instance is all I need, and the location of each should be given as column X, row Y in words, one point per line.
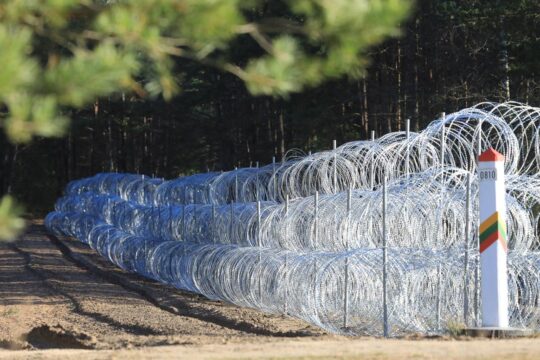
column 286, row 255
column 439, row 290
column 334, row 146
column 195, row 221
column 439, row 272
column 316, row 222
column 159, row 225
column 385, row 265
column 442, row 140
column 347, row 247
column 408, row 153
column 231, row 224
column 184, row 235
column 235, row 184
column 214, row 225
column 477, row 250
column 372, row 168
column 259, row 245
column 171, row 231
column 274, row 177
column 467, row 240
column 316, row 243
column 257, row 191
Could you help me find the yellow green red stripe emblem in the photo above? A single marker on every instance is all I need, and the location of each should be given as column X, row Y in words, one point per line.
column 491, row 230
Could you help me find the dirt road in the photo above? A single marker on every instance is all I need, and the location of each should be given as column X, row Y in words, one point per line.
column 59, row 299
column 59, row 293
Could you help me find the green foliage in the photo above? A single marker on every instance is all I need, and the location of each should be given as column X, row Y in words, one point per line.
column 339, row 31
column 17, row 70
column 449, row 58
column 62, row 54
column 66, row 53
column 280, row 72
column 32, row 115
column 75, row 81
column 10, row 222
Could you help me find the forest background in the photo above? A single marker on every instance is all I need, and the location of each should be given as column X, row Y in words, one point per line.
column 211, row 100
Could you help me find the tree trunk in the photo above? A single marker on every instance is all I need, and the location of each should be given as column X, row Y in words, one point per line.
column 12, row 171
column 505, row 83
column 281, row 133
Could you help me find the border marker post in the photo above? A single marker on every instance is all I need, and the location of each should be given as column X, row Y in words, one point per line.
column 493, row 250
column 492, row 233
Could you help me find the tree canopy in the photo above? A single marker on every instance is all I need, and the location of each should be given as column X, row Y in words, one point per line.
column 60, row 55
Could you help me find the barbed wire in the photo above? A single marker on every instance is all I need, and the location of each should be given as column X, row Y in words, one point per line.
column 305, row 236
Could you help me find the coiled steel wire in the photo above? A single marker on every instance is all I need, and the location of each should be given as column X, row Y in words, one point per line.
column 236, row 236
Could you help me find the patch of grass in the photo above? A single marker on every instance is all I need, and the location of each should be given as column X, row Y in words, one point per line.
column 455, row 328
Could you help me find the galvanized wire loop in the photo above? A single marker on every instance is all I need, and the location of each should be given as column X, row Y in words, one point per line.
column 305, row 236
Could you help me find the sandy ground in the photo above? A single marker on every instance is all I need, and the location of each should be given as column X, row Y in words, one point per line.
column 58, row 299
column 311, row 349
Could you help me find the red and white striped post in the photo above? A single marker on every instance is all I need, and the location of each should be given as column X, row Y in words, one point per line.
column 493, row 245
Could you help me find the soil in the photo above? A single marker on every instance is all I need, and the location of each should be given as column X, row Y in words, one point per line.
column 59, row 299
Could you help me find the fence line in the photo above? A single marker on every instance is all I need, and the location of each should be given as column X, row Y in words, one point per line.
column 309, row 236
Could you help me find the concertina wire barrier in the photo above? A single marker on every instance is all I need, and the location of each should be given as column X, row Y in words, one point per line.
column 309, row 236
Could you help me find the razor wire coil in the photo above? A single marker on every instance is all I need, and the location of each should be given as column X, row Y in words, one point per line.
column 234, row 236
